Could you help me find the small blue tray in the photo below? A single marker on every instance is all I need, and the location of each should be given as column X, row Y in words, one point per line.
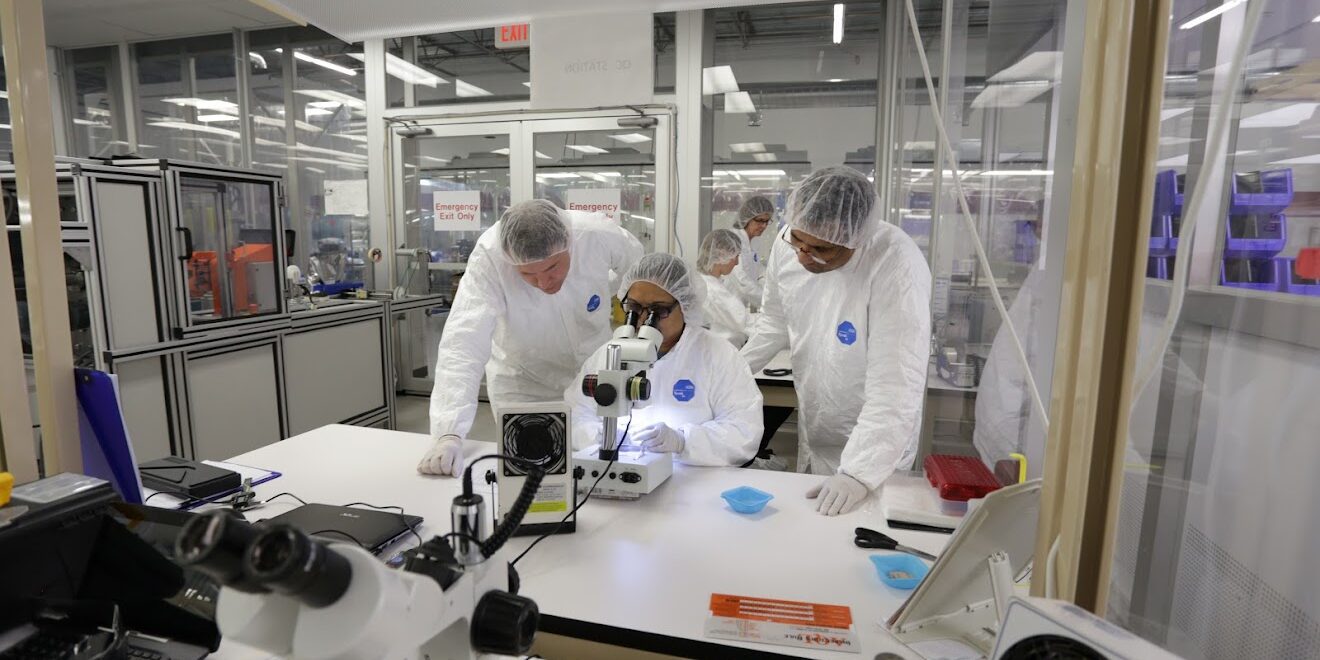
column 892, row 567
column 745, row 499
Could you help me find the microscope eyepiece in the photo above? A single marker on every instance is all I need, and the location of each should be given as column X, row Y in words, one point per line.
column 289, row 562
column 215, row 544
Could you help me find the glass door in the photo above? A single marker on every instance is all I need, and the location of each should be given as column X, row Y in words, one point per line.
column 597, row 164
column 230, row 248
column 456, row 183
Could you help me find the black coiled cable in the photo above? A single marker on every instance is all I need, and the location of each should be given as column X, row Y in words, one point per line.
column 514, row 517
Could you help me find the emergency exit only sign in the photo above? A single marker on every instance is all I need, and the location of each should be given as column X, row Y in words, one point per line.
column 513, row 36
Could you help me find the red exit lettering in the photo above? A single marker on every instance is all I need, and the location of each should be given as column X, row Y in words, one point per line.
column 513, row 36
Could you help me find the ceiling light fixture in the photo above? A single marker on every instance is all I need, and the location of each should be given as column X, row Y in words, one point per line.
column 838, row 23
column 718, row 80
column 1227, row 5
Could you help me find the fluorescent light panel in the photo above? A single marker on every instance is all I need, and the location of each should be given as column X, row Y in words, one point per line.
column 747, row 147
column 405, row 71
column 838, row 23
column 468, row 90
column 324, row 64
column 1046, row 64
column 1227, row 5
column 631, row 138
column 718, row 80
column 587, row 149
column 1288, row 115
column 332, row 96
column 1010, row 95
column 738, row 102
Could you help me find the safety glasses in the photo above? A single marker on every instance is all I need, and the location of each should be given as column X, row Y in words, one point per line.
column 820, row 254
column 646, row 312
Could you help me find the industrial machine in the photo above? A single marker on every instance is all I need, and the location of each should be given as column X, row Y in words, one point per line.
column 618, row 470
column 1043, row 628
column 541, row 435
column 288, row 594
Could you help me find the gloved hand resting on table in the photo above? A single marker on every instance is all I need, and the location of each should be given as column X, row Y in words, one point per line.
column 837, row 495
column 660, row 438
column 445, row 458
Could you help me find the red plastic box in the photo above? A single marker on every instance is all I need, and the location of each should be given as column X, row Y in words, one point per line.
column 959, row 478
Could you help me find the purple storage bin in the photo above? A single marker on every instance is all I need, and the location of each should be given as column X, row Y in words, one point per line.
column 1293, row 283
column 1159, row 268
column 1261, row 193
column 1258, row 274
column 916, row 226
column 1175, row 224
column 919, row 200
column 1025, row 244
column 1255, row 236
column 1160, row 227
column 1169, row 193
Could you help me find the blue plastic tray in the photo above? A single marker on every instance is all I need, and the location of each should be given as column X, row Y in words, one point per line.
column 1168, row 193
column 1256, row 274
column 1159, row 268
column 900, row 570
column 1255, row 236
column 1160, row 226
column 1276, row 193
column 745, row 499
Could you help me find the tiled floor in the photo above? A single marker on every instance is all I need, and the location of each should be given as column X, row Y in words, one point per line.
column 413, row 414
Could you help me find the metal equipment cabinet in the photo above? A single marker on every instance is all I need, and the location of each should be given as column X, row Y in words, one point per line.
column 335, row 366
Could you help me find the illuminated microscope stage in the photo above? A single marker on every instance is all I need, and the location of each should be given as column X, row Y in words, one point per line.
column 634, row 474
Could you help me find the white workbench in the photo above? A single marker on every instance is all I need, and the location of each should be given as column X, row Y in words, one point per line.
column 635, row 573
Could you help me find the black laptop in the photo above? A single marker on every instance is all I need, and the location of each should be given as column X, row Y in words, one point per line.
column 372, row 529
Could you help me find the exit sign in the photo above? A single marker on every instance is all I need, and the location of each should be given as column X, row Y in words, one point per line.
column 512, row 36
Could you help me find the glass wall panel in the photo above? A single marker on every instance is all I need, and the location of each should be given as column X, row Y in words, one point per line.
column 997, row 68
column 788, row 98
column 318, row 142
column 187, row 99
column 1216, row 527
column 93, row 87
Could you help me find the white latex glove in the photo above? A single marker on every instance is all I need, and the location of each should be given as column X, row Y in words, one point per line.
column 837, row 495
column 446, row 457
column 660, row 438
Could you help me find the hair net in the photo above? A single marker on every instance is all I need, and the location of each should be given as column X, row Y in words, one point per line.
column 754, row 206
column 533, row 231
column 718, row 247
column 834, row 204
column 675, row 277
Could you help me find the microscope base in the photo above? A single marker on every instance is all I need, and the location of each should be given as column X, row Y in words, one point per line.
column 633, row 475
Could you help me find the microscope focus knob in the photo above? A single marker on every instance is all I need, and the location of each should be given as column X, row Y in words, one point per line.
column 589, row 385
column 503, row 623
column 639, row 388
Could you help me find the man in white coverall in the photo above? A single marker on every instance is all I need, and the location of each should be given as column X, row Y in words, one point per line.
column 533, row 304
column 849, row 296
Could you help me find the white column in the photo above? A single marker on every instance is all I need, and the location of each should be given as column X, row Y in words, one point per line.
column 693, row 125
column 24, row 36
column 378, row 164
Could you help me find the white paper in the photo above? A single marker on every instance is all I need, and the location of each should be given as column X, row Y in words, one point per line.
column 594, row 200
column 457, row 210
column 346, row 197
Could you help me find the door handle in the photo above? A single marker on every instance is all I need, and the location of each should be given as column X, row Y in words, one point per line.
column 187, row 243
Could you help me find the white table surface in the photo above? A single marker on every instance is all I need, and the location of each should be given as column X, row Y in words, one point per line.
column 648, row 565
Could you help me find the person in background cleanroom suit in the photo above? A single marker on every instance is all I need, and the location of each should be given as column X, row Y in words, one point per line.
column 849, row 296
column 533, row 304
column 705, row 407
column 748, row 279
column 724, row 311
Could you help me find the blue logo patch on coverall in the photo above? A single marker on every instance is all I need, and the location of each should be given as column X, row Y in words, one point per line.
column 593, row 303
column 846, row 333
column 684, row 390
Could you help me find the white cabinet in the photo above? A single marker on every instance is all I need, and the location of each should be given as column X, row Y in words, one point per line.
column 335, row 373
